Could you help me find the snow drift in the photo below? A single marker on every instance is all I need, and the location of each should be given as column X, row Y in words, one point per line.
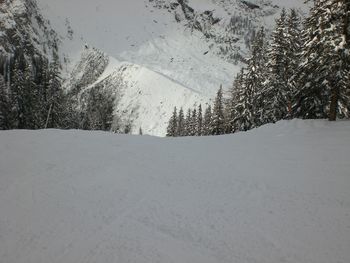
column 279, row 193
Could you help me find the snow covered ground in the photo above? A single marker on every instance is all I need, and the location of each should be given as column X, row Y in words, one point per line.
column 279, row 193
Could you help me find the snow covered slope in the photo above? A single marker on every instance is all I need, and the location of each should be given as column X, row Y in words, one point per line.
column 144, row 98
column 178, row 52
column 193, row 46
column 279, row 193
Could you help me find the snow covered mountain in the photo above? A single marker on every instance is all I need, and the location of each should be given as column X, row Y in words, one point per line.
column 154, row 54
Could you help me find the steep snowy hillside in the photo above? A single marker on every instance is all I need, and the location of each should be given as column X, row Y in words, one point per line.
column 143, row 97
column 185, row 49
column 275, row 194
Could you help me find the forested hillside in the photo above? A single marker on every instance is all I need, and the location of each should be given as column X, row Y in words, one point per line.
column 301, row 71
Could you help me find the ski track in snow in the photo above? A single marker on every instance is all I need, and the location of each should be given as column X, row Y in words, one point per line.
column 279, row 193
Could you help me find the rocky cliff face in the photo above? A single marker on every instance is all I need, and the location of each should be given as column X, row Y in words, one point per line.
column 229, row 32
column 25, row 33
column 24, row 29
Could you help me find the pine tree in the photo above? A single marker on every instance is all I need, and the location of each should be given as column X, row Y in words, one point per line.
column 207, row 121
column 294, row 41
column 172, row 126
column 218, row 119
column 181, row 123
column 43, row 83
column 199, row 131
column 55, row 104
column 72, row 115
column 323, row 77
column 188, row 123
column 17, row 94
column 5, row 105
column 241, row 112
column 278, row 48
column 234, row 107
column 248, row 98
column 276, row 94
column 30, row 114
column 98, row 111
column 255, row 78
column 193, row 123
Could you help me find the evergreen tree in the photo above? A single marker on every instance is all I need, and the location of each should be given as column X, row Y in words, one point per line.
column 72, row 115
column 5, row 105
column 172, row 126
column 98, row 111
column 294, row 45
column 193, row 123
column 218, row 119
column 43, row 84
column 17, row 94
column 276, row 94
column 55, row 103
column 188, row 123
column 323, row 77
column 181, row 123
column 32, row 103
column 294, row 40
column 278, row 48
column 199, row 131
column 242, row 110
column 235, row 105
column 247, row 98
column 207, row 121
column 255, row 78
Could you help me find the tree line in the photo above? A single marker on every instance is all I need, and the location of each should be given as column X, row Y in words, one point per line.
column 302, row 72
column 31, row 94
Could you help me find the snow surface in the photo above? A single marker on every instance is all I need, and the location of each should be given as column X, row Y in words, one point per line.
column 275, row 194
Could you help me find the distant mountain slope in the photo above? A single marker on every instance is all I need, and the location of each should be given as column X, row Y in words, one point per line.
column 143, row 97
column 189, row 47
